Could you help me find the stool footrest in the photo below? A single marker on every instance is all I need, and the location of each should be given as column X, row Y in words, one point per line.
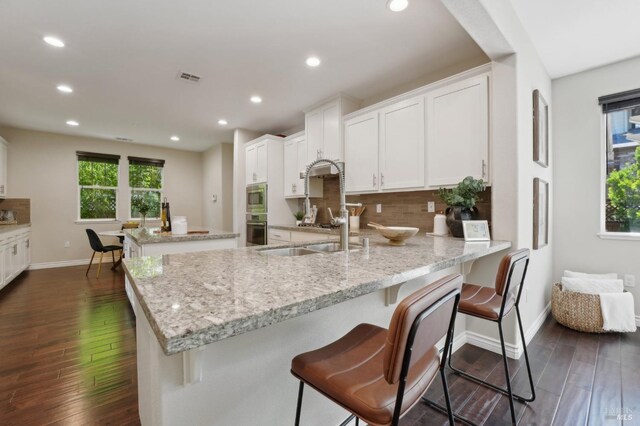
column 491, row 386
column 442, row 409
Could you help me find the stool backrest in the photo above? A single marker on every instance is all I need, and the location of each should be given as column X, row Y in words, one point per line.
column 511, row 274
column 94, row 240
column 435, row 303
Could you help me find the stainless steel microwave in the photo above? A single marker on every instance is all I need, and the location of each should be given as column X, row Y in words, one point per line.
column 257, row 198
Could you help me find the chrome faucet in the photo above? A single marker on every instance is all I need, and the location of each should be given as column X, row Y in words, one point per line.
column 343, row 219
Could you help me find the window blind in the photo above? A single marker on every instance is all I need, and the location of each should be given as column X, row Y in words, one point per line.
column 618, row 101
column 146, row 161
column 97, row 157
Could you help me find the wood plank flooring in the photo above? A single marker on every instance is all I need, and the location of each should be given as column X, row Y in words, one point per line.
column 68, row 357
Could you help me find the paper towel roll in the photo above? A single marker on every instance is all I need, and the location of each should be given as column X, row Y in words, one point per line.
column 440, row 224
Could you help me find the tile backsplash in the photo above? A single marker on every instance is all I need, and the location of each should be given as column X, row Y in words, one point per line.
column 398, row 208
column 20, row 206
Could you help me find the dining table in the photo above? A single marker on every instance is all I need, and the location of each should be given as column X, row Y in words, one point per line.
column 119, row 234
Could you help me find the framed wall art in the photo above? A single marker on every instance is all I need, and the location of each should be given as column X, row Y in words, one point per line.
column 540, row 129
column 540, row 213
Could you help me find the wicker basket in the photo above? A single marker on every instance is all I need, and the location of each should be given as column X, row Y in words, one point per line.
column 578, row 311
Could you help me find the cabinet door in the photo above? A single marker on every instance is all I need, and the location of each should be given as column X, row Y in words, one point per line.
column 458, row 132
column 290, row 167
column 261, row 162
column 251, row 160
column 361, row 153
column 402, row 145
column 313, row 131
column 3, row 248
column 331, row 143
column 8, row 256
column 301, row 165
column 3, row 170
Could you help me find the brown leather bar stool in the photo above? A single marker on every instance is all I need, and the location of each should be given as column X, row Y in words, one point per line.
column 379, row 374
column 493, row 304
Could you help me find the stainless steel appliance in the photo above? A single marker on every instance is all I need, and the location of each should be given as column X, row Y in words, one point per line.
column 256, row 229
column 257, row 198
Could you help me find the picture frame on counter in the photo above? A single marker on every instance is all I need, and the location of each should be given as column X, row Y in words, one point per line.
column 476, row 230
column 540, row 213
column 540, row 129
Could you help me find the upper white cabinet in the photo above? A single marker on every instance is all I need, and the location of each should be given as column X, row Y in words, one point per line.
column 361, row 153
column 402, row 145
column 3, row 167
column 295, row 161
column 256, row 163
column 384, row 149
column 323, row 127
column 458, row 132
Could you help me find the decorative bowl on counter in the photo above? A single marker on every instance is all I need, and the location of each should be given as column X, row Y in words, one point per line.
column 397, row 235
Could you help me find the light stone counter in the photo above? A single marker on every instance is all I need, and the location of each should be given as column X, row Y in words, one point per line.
column 9, row 228
column 148, row 236
column 193, row 299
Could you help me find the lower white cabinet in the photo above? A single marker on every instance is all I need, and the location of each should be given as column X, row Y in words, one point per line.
column 15, row 254
column 280, row 236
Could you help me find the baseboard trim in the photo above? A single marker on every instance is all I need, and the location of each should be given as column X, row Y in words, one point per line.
column 493, row 345
column 533, row 328
column 64, row 264
column 638, row 320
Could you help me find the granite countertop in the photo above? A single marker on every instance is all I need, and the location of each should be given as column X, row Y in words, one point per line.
column 9, row 228
column 147, row 236
column 327, row 231
column 193, row 299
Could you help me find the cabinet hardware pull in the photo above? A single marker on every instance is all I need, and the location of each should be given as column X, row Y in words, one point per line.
column 374, row 180
column 484, row 169
column 382, row 179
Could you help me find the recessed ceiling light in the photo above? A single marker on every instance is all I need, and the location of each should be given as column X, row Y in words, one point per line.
column 65, row 89
column 222, row 122
column 256, row 99
column 313, row 61
column 397, row 5
column 53, row 41
column 73, row 123
column 175, row 138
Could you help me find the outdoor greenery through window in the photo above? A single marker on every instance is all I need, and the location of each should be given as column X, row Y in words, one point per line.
column 145, row 182
column 97, row 185
column 622, row 209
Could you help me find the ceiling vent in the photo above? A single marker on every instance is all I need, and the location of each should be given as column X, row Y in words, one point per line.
column 121, row 139
column 190, row 78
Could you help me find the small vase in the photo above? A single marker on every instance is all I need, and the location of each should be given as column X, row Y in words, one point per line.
column 455, row 216
column 298, row 222
column 143, row 222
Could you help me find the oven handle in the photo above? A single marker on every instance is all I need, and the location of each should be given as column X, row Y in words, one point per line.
column 257, row 223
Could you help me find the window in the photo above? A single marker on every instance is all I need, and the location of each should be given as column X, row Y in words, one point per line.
column 97, row 185
column 622, row 168
column 145, row 183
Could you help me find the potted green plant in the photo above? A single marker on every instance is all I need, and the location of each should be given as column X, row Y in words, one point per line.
column 461, row 202
column 623, row 194
column 299, row 216
column 143, row 207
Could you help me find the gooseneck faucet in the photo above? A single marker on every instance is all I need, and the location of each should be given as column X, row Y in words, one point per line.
column 343, row 219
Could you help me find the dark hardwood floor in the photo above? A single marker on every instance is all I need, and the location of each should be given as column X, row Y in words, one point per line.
column 67, row 356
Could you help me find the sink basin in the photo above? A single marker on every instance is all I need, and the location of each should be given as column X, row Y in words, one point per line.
column 287, row 251
column 329, row 247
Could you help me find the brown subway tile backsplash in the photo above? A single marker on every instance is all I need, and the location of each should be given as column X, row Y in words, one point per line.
column 398, row 208
column 20, row 206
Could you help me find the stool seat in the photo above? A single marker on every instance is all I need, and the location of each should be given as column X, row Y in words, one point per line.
column 350, row 372
column 483, row 302
column 107, row 249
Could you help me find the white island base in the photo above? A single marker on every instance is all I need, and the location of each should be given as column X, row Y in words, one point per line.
column 245, row 379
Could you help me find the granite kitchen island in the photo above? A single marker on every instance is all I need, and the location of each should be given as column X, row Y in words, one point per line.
column 216, row 330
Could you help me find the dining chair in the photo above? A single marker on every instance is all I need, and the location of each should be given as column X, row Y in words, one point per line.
column 98, row 247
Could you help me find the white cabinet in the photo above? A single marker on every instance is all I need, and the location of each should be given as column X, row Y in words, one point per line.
column 402, row 136
column 15, row 254
column 256, row 163
column 361, row 153
column 281, row 236
column 384, row 149
column 4, row 147
column 323, row 128
column 458, row 132
column 295, row 161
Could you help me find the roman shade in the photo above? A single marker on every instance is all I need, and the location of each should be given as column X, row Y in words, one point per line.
column 146, row 161
column 97, row 157
column 618, row 101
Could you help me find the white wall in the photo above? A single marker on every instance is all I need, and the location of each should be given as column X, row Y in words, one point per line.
column 42, row 167
column 577, row 163
column 517, row 71
column 217, row 175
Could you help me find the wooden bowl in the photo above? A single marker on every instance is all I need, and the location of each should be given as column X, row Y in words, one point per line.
column 397, row 235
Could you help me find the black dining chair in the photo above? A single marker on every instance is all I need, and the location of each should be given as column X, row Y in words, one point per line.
column 97, row 246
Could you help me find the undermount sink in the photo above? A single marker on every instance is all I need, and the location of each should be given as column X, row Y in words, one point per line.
column 302, row 251
column 287, row 251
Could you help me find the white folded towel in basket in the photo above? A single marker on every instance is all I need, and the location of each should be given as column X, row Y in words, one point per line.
column 592, row 285
column 617, row 312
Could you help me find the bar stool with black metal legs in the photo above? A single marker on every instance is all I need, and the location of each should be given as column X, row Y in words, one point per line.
column 379, row 374
column 493, row 304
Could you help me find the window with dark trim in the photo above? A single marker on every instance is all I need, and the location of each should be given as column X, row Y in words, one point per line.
column 97, row 185
column 145, row 184
column 622, row 173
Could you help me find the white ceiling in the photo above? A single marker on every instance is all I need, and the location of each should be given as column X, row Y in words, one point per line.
column 575, row 35
column 122, row 59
